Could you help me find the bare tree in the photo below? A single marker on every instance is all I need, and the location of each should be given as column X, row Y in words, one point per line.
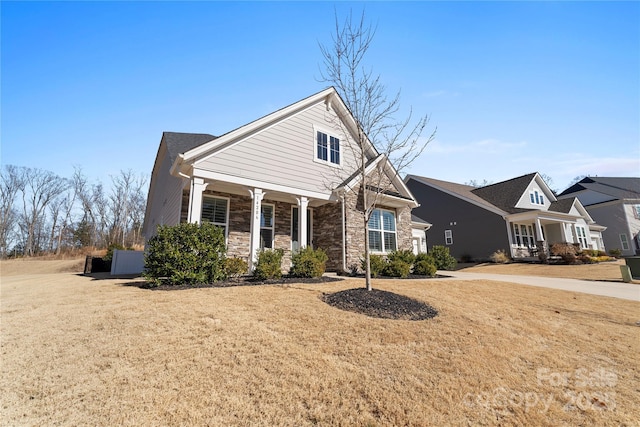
column 10, row 184
column 362, row 91
column 39, row 188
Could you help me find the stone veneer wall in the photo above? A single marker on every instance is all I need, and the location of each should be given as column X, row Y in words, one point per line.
column 355, row 226
column 327, row 228
column 327, row 233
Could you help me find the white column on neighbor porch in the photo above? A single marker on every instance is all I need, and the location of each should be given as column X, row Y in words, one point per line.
column 195, row 199
column 256, row 195
column 539, row 230
column 566, row 232
column 303, row 203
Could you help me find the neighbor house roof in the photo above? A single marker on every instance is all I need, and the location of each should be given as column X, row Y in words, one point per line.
column 618, row 188
column 506, row 194
column 457, row 190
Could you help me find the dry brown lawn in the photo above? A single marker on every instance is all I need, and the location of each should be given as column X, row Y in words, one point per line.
column 606, row 271
column 79, row 351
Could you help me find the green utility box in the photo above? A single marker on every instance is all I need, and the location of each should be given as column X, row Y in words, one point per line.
column 633, row 262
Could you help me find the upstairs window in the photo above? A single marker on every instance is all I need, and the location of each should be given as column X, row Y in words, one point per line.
column 327, row 148
column 536, row 198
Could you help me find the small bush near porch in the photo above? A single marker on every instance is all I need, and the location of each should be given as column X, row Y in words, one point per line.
column 186, row 253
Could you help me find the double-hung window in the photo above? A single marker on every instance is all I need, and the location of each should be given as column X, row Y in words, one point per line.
column 382, row 231
column 448, row 237
column 624, row 241
column 215, row 210
column 327, row 148
column 582, row 236
column 267, row 221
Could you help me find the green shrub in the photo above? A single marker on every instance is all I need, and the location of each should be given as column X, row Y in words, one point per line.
column 269, row 265
column 423, row 256
column 186, row 253
column 405, row 256
column 442, row 258
column 424, row 268
column 615, row 253
column 499, row 257
column 112, row 247
column 235, row 267
column 377, row 264
column 308, row 262
column 397, row 268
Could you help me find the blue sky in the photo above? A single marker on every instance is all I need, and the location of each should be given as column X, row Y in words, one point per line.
column 513, row 87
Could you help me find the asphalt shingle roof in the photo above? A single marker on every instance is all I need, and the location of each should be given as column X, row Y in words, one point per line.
column 178, row 142
column 505, row 194
column 617, row 188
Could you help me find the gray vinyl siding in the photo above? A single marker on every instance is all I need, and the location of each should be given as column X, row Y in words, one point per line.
column 165, row 196
column 477, row 232
column 284, row 154
column 616, row 217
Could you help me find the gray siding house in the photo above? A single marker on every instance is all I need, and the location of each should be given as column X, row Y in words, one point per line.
column 287, row 180
column 614, row 203
column 520, row 216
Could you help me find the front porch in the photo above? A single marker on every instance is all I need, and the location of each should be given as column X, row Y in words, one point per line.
column 532, row 233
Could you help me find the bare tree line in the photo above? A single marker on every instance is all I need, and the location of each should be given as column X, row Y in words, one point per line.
column 43, row 213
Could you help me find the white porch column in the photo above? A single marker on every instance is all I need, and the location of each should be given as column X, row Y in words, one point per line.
column 539, row 230
column 566, row 232
column 303, row 203
column 195, row 199
column 257, row 195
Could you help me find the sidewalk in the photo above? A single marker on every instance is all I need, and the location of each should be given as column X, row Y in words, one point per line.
column 620, row 290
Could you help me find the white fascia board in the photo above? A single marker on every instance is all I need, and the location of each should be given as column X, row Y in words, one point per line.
column 356, row 179
column 543, row 185
column 264, row 122
column 583, row 211
column 252, row 183
column 491, row 208
column 542, row 215
column 394, row 201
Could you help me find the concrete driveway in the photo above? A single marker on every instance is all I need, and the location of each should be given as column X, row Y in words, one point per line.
column 621, row 290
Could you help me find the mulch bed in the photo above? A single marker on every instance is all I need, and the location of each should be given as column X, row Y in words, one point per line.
column 380, row 304
column 242, row 281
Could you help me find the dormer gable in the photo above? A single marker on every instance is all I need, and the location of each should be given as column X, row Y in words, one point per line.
column 537, row 195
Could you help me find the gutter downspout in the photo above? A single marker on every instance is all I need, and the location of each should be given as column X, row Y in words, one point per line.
column 344, row 237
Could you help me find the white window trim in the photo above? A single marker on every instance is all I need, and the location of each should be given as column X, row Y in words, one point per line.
column 327, row 162
column 448, row 237
column 273, row 224
column 382, row 231
column 523, row 240
column 310, row 236
column 536, row 198
column 624, row 242
column 582, row 236
column 226, row 224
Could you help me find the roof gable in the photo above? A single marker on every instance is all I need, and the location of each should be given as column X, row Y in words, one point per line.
column 612, row 188
column 329, row 96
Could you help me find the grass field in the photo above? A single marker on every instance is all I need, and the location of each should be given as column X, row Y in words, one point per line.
column 79, row 351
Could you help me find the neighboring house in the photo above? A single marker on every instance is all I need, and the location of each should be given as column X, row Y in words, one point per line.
column 287, row 180
column 614, row 203
column 520, row 216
